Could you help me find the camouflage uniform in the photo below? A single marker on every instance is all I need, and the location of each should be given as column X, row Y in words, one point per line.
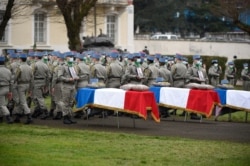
column 178, row 72
column 214, row 72
column 52, row 64
column 13, row 67
column 56, row 90
column 165, row 74
column 230, row 73
column 24, row 79
column 193, row 77
column 150, row 73
column 83, row 71
column 131, row 74
column 41, row 81
column 245, row 75
column 68, row 90
column 5, row 88
column 114, row 74
column 98, row 71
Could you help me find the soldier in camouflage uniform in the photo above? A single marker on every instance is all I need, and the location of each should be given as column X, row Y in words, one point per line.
column 134, row 72
column 214, row 72
column 97, row 70
column 56, row 87
column 52, row 64
column 14, row 64
column 245, row 75
column 5, row 89
column 193, row 72
column 151, row 73
column 114, row 71
column 164, row 72
column 83, row 71
column 230, row 73
column 166, row 76
column 178, row 72
column 197, row 74
column 67, row 74
column 41, row 81
column 24, row 80
column 128, row 61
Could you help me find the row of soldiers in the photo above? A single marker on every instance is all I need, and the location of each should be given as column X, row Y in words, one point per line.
column 61, row 75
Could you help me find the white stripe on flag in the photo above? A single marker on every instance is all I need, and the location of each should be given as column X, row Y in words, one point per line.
column 238, row 98
column 110, row 97
column 177, row 97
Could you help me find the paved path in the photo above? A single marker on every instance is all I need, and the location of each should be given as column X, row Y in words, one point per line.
column 206, row 130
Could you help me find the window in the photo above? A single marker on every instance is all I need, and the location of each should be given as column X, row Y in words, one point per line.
column 111, row 28
column 40, row 26
column 5, row 35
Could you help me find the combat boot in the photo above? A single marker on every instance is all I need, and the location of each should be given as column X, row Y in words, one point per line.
column 51, row 113
column 29, row 119
column 46, row 114
column 37, row 112
column 9, row 119
column 66, row 120
column 17, row 119
column 72, row 121
column 58, row 116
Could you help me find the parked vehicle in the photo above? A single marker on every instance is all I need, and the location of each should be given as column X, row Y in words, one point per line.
column 164, row 37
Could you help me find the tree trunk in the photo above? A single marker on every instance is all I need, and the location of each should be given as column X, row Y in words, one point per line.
column 73, row 13
column 6, row 17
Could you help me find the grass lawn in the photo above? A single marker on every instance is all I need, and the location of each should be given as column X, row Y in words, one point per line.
column 22, row 145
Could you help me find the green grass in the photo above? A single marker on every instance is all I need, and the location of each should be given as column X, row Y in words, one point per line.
column 38, row 145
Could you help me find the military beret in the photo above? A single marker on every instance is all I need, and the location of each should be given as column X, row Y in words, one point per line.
column 130, row 56
column 80, row 56
column 150, row 58
column 143, row 54
column 137, row 55
column 113, row 54
column 163, row 60
column 70, row 54
column 196, row 57
column 45, row 53
column 23, row 55
column 13, row 55
column 60, row 55
column 30, row 53
column 178, row 56
column 95, row 56
column 158, row 55
column 37, row 54
column 2, row 58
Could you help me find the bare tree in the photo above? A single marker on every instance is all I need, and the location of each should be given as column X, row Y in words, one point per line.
column 6, row 17
column 73, row 12
column 232, row 9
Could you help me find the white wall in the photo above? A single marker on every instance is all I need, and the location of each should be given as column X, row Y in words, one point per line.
column 241, row 50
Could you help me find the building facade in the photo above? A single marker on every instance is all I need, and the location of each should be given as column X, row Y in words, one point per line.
column 33, row 27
